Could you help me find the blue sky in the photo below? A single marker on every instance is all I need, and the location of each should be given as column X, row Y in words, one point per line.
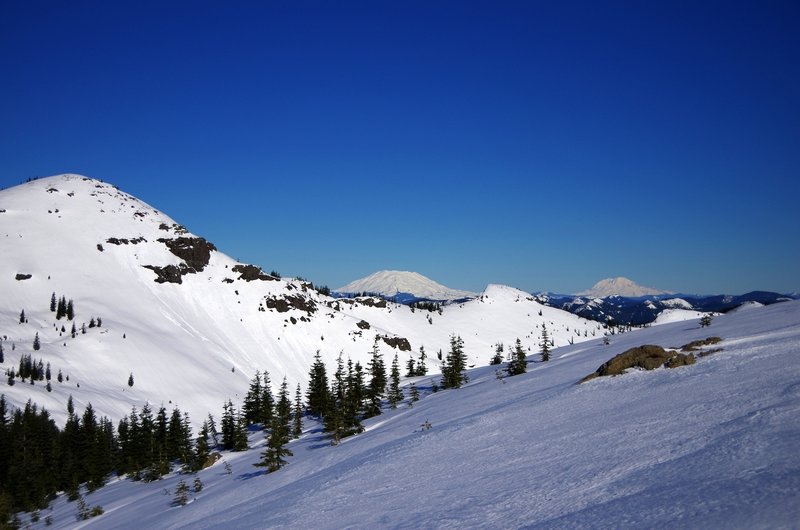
column 537, row 145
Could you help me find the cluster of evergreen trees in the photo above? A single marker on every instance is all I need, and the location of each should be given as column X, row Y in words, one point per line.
column 62, row 308
column 37, row 459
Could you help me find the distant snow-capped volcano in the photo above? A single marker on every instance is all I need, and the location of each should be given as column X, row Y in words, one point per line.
column 620, row 287
column 390, row 283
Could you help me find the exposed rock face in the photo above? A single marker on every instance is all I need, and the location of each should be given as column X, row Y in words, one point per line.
column 168, row 274
column 195, row 251
column 647, row 357
column 399, row 343
column 363, row 324
column 285, row 303
column 250, row 273
column 21, row 276
column 698, row 344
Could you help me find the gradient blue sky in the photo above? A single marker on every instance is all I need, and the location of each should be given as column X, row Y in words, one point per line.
column 544, row 145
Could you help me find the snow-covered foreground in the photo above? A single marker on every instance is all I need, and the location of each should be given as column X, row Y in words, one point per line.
column 716, row 444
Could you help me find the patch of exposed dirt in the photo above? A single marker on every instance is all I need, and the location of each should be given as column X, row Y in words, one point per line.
column 647, row 357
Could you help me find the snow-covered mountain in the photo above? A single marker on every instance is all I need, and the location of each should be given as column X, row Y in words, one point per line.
column 394, row 283
column 710, row 445
column 191, row 324
column 619, row 287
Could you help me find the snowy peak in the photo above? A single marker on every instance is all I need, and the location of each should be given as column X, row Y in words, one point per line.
column 391, row 283
column 620, row 287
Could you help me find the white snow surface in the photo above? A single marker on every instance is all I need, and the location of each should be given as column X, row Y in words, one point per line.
column 199, row 343
column 712, row 445
column 668, row 316
column 619, row 287
column 389, row 283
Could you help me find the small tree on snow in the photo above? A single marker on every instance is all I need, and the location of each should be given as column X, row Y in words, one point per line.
column 705, row 321
column 130, row 380
column 545, row 344
column 36, row 344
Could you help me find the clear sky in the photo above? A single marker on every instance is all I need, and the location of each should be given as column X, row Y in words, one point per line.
column 543, row 145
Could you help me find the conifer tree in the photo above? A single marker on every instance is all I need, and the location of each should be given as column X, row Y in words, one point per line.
column 2, row 354
column 545, row 344
column 517, row 364
column 411, row 369
column 414, row 394
column 297, row 426
column 422, row 369
column 74, row 331
column 53, row 303
column 36, row 344
column 395, row 392
column 70, row 312
column 377, row 383
column 252, row 400
column 317, row 392
column 130, row 380
column 498, row 354
column 22, row 317
column 267, row 401
column 455, row 364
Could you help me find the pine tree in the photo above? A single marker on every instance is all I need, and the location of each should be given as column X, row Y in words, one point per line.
column 252, row 400
column 395, row 392
column 545, row 344
column 267, row 401
column 2, row 354
column 61, row 308
column 517, row 364
column 453, row 375
column 297, row 426
column 70, row 312
column 74, row 331
column 278, row 437
column 377, row 383
column 53, row 303
column 422, row 369
column 498, row 354
column 22, row 318
column 181, row 494
column 36, row 344
column 414, row 394
column 705, row 321
column 411, row 369
column 130, row 380
column 317, row 392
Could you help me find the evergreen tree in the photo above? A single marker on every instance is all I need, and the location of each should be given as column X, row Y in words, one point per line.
column 202, row 447
column 317, row 392
column 411, row 369
column 545, row 344
column 53, row 303
column 2, row 354
column 22, row 318
column 278, row 437
column 455, row 364
column 252, row 400
column 422, row 369
column 267, row 401
column 377, row 383
column 297, row 425
column 61, row 308
column 181, row 494
column 70, row 311
column 517, row 364
column 395, row 392
column 36, row 344
column 228, row 425
column 705, row 320
column 130, row 380
column 414, row 394
column 498, row 354
column 74, row 331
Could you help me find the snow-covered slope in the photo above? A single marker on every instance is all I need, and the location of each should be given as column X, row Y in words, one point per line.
column 619, row 287
column 712, row 445
column 198, row 342
column 390, row 283
column 677, row 315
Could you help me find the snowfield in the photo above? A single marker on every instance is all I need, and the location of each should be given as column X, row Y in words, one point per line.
column 712, row 445
column 198, row 343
